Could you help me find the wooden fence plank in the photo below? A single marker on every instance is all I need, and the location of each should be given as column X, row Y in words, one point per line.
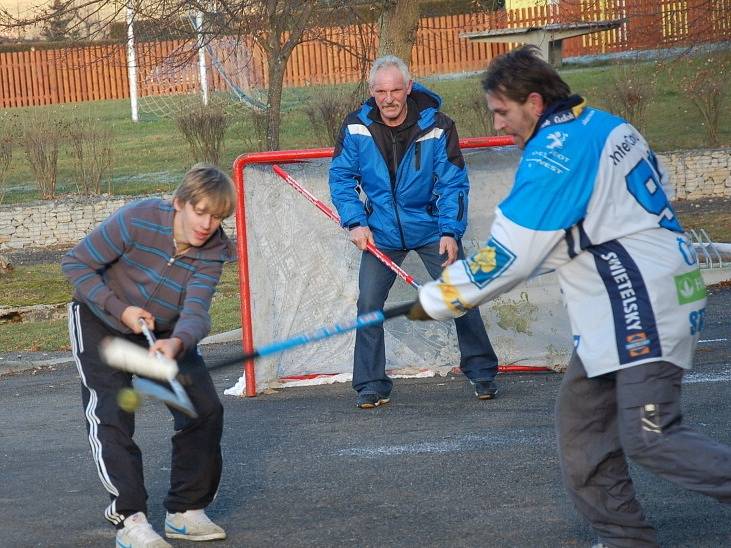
column 100, row 72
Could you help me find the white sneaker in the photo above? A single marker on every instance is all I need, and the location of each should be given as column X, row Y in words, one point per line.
column 192, row 525
column 138, row 533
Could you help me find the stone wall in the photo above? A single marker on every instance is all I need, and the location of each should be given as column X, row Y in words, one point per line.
column 61, row 222
column 694, row 174
column 699, row 174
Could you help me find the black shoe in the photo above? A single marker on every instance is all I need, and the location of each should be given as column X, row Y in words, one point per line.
column 369, row 401
column 485, row 390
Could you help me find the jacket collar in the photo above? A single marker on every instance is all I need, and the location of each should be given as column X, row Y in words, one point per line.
column 560, row 112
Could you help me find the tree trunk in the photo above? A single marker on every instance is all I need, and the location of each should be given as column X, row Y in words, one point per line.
column 277, row 67
column 398, row 24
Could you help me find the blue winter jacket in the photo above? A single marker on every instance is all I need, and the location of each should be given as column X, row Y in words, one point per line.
column 418, row 202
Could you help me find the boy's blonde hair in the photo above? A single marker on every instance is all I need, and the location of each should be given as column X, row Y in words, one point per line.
column 207, row 181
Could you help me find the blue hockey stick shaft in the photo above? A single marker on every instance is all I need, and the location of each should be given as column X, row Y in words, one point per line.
column 364, row 320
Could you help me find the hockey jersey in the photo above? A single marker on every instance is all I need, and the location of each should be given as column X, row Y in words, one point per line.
column 588, row 202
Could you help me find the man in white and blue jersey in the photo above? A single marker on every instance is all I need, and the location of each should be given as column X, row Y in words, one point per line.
column 159, row 261
column 588, row 202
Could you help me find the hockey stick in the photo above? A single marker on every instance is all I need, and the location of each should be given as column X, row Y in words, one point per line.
column 385, row 259
column 119, row 352
column 124, row 355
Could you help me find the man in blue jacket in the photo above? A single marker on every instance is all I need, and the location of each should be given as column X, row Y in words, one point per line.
column 403, row 154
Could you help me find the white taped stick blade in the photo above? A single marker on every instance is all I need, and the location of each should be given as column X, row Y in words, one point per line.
column 124, row 355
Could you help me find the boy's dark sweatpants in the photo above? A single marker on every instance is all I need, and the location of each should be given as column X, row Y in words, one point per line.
column 195, row 470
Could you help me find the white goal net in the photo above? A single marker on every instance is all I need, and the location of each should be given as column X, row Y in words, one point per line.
column 303, row 275
column 172, row 85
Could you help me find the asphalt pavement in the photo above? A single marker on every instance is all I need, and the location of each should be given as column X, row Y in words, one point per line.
column 304, row 467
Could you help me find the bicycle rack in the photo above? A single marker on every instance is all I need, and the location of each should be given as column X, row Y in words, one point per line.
column 708, row 254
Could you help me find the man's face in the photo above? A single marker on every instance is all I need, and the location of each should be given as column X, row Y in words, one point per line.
column 194, row 224
column 390, row 92
column 513, row 118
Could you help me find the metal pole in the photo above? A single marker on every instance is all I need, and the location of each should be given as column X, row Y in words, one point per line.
column 202, row 57
column 132, row 64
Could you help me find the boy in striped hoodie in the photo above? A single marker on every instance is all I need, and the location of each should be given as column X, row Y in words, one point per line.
column 159, row 261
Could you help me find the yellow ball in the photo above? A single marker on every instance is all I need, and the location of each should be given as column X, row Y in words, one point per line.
column 129, row 400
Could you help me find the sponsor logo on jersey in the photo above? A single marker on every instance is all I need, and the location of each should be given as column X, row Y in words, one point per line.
column 559, row 118
column 557, row 139
column 629, row 141
column 690, row 287
column 634, row 320
column 687, row 251
column 626, row 292
column 638, row 344
column 488, row 263
column 553, row 161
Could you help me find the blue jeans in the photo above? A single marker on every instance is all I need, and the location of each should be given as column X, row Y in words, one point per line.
column 478, row 360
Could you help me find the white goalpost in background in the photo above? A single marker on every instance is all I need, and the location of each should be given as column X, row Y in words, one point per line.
column 132, row 63
column 220, row 70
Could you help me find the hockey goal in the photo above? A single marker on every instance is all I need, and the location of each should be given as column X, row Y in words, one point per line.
column 298, row 271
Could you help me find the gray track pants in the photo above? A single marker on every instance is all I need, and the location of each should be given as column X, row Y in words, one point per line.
column 636, row 413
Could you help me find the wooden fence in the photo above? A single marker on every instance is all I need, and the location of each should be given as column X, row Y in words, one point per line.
column 335, row 55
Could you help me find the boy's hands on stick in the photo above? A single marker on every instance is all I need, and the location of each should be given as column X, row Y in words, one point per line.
column 131, row 318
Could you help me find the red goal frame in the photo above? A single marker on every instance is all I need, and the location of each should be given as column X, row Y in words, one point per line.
column 281, row 157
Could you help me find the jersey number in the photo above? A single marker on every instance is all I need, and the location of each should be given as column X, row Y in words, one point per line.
column 643, row 184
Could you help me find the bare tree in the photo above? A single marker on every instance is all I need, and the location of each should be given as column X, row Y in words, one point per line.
column 398, row 24
column 275, row 26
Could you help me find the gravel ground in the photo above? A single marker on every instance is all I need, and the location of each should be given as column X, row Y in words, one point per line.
column 705, row 205
column 36, row 255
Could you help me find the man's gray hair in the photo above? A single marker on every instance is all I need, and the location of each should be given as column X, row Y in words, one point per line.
column 388, row 61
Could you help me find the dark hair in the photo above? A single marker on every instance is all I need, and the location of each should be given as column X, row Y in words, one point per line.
column 520, row 72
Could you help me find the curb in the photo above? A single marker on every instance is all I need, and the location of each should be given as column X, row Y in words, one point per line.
column 16, row 363
column 19, row 362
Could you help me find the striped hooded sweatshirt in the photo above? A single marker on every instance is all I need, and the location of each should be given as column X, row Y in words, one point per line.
column 130, row 260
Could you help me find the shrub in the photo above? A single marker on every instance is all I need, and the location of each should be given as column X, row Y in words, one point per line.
column 90, row 145
column 8, row 136
column 204, row 128
column 481, row 118
column 629, row 93
column 327, row 111
column 252, row 129
column 42, row 134
column 705, row 85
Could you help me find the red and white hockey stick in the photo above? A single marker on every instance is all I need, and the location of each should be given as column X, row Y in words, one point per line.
column 385, row 259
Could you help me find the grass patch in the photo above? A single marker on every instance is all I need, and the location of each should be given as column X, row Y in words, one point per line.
column 44, row 284
column 226, row 304
column 45, row 336
column 37, row 284
column 717, row 225
column 710, row 214
column 151, row 155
